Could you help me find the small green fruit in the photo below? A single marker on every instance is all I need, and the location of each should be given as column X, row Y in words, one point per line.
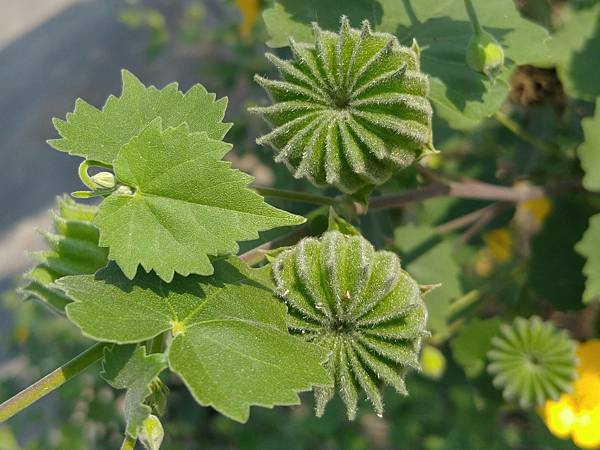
column 433, row 362
column 358, row 303
column 350, row 110
column 484, row 53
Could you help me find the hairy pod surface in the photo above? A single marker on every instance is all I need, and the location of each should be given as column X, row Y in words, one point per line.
column 350, row 109
column 532, row 361
column 358, row 303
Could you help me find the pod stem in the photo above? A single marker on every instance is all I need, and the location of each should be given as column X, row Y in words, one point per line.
column 473, row 17
column 128, row 443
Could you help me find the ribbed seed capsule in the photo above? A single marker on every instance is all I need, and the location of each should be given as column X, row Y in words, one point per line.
column 532, row 361
column 360, row 304
column 350, row 109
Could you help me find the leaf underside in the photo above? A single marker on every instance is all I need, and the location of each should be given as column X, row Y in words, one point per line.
column 128, row 367
column 231, row 346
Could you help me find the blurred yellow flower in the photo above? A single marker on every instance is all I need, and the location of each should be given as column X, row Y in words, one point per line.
column 578, row 414
column 538, row 208
column 500, row 244
column 249, row 10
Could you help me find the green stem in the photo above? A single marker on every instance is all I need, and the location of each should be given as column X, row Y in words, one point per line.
column 296, row 196
column 128, row 443
column 464, row 302
column 517, row 130
column 51, row 381
column 473, row 16
column 258, row 254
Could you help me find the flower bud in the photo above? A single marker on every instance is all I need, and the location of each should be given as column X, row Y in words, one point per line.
column 151, row 433
column 484, row 53
column 104, row 179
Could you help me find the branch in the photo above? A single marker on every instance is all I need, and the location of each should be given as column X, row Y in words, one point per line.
column 296, row 196
column 51, row 381
column 257, row 254
column 468, row 219
column 474, row 190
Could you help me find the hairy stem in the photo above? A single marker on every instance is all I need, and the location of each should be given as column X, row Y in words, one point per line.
column 257, row 254
column 296, row 196
column 128, row 443
column 473, row 16
column 518, row 130
column 51, row 381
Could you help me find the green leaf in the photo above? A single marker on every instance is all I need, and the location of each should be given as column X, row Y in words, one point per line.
column 231, row 346
column 460, row 95
column 555, row 269
column 574, row 52
column 472, row 343
column 99, row 134
column 589, row 151
column 185, row 204
column 128, row 367
column 73, row 250
column 589, row 247
column 429, row 259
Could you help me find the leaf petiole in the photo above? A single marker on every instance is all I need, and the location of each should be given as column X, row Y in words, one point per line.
column 297, row 196
column 52, row 381
column 85, row 177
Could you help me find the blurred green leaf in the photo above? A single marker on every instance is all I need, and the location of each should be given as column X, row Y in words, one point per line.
column 460, row 95
column 555, row 269
column 589, row 247
column 574, row 51
column 429, row 260
column 472, row 342
column 589, row 151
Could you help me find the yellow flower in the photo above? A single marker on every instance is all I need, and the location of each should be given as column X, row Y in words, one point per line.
column 500, row 243
column 249, row 10
column 578, row 414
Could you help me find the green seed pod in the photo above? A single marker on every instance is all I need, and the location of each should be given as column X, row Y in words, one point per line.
column 350, row 110
column 484, row 53
column 104, row 179
column 358, row 303
column 532, row 361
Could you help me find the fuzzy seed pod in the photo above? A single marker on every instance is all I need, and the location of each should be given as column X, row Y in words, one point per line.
column 358, row 303
column 351, row 108
column 484, row 53
column 532, row 361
